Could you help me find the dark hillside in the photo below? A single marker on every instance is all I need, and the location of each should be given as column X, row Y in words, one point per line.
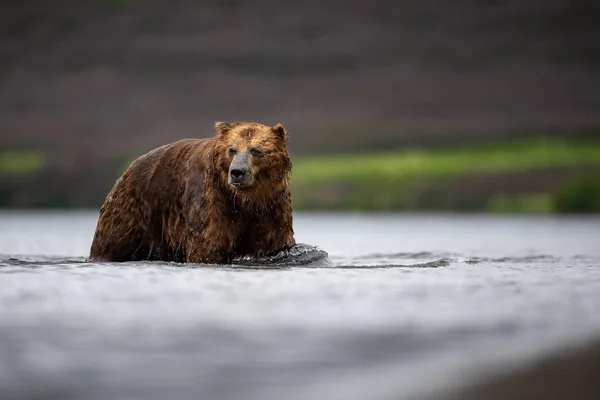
column 119, row 77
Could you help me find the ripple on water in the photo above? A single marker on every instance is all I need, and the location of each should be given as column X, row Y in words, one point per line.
column 299, row 256
column 13, row 265
column 305, row 256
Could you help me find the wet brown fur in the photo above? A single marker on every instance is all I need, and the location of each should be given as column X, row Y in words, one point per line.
column 175, row 203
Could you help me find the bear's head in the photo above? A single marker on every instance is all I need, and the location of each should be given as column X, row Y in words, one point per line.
column 252, row 158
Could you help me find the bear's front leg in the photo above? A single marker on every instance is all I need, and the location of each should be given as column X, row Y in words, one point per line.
column 213, row 257
column 268, row 236
column 199, row 251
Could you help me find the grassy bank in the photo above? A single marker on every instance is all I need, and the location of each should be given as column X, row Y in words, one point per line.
column 540, row 176
column 21, row 162
column 526, row 176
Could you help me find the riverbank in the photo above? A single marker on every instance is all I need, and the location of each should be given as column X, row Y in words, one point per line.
column 532, row 176
column 527, row 176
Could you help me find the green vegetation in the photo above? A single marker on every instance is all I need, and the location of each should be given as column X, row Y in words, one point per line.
column 581, row 194
column 21, row 162
column 519, row 156
column 473, row 178
column 521, row 203
column 544, row 176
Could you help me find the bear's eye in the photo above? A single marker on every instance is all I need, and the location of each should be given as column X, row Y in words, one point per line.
column 232, row 152
column 256, row 152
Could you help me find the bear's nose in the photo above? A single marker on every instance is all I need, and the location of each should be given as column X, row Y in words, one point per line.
column 237, row 173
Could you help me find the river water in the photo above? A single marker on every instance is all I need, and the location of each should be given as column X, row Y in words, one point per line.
column 405, row 306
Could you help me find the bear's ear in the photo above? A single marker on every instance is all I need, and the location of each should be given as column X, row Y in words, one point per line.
column 222, row 127
column 279, row 130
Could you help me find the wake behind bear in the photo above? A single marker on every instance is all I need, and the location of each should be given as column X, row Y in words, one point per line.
column 202, row 200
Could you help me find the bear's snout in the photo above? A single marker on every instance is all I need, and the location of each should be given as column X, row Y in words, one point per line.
column 237, row 173
column 240, row 174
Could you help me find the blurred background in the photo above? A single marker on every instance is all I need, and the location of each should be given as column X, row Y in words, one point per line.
column 390, row 105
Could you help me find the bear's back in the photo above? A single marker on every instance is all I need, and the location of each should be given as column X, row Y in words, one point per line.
column 163, row 172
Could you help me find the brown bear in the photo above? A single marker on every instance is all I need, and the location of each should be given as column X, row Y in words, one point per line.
column 202, row 200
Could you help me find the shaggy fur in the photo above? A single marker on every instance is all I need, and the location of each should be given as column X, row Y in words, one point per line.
column 180, row 202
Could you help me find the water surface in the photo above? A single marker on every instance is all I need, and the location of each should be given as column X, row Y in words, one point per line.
column 405, row 305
